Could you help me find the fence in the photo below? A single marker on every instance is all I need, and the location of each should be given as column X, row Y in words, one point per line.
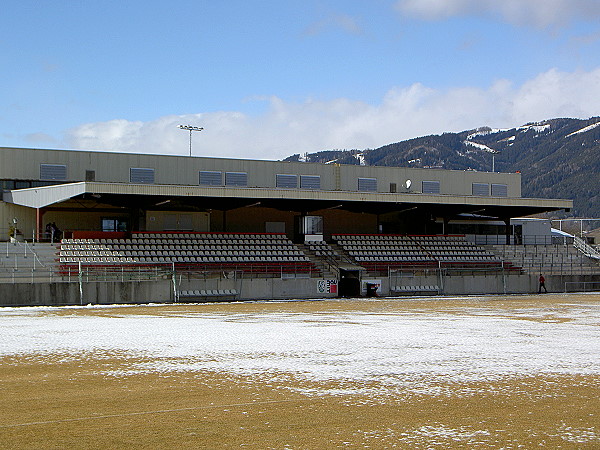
column 586, row 248
column 500, row 239
column 582, row 286
column 23, row 235
column 17, row 252
column 399, row 277
column 12, row 270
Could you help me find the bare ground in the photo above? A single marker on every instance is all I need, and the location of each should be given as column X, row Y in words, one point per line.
column 77, row 401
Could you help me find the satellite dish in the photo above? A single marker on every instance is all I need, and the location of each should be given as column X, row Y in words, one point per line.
column 407, row 184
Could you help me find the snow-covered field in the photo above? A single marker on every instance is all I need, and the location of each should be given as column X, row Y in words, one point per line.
column 388, row 345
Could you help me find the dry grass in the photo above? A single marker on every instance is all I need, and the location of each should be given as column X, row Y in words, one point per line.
column 70, row 401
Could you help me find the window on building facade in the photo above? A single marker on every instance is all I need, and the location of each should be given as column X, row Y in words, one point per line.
column 114, row 224
column 481, row 189
column 367, row 184
column 431, row 187
column 286, row 181
column 211, row 178
column 310, row 181
column 56, row 172
column 141, row 175
column 236, row 179
column 499, row 190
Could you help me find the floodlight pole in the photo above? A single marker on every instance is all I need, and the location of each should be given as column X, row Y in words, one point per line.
column 190, row 128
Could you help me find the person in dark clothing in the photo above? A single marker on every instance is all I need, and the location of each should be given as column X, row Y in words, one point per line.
column 56, row 233
column 542, row 284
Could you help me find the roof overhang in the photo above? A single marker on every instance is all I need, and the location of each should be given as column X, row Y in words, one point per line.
column 225, row 197
column 40, row 197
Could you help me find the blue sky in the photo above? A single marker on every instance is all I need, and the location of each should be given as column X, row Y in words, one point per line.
column 267, row 79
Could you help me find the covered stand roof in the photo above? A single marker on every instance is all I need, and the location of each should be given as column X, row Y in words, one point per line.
column 200, row 198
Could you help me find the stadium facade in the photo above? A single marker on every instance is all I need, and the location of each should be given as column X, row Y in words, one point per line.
column 103, row 195
column 87, row 190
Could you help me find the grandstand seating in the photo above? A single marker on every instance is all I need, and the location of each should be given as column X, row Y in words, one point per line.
column 379, row 252
column 221, row 251
column 393, row 249
column 455, row 250
column 321, row 249
column 273, row 252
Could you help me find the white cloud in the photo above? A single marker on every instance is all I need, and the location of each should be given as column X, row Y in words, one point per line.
column 539, row 13
column 405, row 112
column 558, row 94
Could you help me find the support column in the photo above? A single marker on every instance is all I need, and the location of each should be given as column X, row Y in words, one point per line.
column 445, row 225
column 38, row 224
column 507, row 224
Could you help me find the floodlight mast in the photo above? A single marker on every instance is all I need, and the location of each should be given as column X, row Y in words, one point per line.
column 190, row 128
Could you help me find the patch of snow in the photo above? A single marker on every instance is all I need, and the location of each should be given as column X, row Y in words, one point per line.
column 485, row 132
column 480, row 146
column 331, row 162
column 385, row 346
column 303, row 157
column 578, row 435
column 538, row 128
column 461, row 433
column 414, row 161
column 583, row 130
column 361, row 159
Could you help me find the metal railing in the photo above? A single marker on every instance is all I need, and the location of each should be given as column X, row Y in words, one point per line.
column 582, row 286
column 15, row 273
column 500, row 239
column 563, row 255
column 585, row 248
column 398, row 277
column 28, row 235
column 16, row 249
column 53, row 275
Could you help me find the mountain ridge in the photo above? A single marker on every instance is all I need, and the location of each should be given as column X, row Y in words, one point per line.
column 558, row 158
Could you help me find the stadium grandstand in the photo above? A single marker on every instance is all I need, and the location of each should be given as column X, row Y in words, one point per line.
column 102, row 227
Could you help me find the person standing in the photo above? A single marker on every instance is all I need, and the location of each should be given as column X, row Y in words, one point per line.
column 542, row 285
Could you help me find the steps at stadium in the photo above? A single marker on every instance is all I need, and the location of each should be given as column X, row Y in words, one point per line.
column 551, row 259
column 20, row 261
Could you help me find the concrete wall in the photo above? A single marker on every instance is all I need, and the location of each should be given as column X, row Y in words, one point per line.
column 177, row 220
column 338, row 221
column 261, row 288
column 486, row 284
column 76, row 220
column 253, row 219
column 55, row 294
